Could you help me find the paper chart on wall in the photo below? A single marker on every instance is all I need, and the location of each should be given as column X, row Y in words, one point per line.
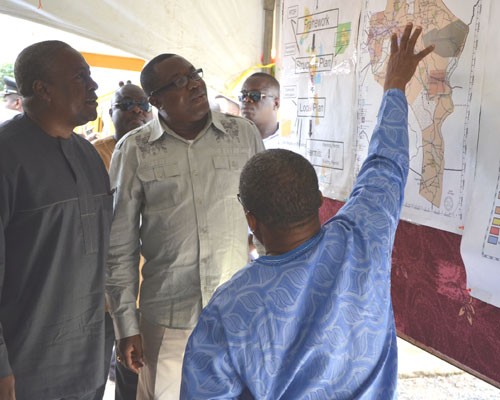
column 317, row 113
column 480, row 247
column 444, row 100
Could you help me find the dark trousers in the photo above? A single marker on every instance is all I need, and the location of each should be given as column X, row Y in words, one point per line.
column 109, row 341
column 125, row 384
column 125, row 380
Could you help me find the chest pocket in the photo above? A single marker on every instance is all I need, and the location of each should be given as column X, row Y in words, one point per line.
column 227, row 171
column 161, row 186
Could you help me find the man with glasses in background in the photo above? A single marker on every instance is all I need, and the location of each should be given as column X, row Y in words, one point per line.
column 129, row 110
column 260, row 102
column 176, row 181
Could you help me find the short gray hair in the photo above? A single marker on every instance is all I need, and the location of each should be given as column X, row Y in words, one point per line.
column 34, row 63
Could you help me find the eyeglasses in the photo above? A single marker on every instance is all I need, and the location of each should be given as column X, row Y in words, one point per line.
column 129, row 104
column 254, row 95
column 180, row 82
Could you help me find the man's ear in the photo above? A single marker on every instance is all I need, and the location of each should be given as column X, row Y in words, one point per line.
column 111, row 112
column 153, row 100
column 277, row 103
column 19, row 104
column 255, row 226
column 41, row 89
column 251, row 221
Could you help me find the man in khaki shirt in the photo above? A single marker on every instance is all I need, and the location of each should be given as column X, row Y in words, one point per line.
column 176, row 181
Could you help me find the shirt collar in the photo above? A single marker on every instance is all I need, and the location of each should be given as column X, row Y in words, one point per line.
column 214, row 118
column 275, row 134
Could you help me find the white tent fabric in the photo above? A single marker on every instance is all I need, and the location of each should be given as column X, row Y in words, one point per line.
column 224, row 37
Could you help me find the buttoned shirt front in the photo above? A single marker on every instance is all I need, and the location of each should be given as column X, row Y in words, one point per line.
column 175, row 202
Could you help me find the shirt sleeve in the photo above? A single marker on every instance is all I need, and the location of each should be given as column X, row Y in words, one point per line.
column 208, row 371
column 379, row 188
column 259, row 145
column 122, row 273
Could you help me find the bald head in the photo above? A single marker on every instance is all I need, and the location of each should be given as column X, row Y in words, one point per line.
column 128, row 90
column 266, row 81
column 263, row 108
column 129, row 109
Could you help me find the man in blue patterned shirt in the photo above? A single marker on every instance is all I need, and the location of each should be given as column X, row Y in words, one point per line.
column 312, row 319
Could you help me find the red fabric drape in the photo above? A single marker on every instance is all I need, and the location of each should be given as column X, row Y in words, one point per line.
column 432, row 304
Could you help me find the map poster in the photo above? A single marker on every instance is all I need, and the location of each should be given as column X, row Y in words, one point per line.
column 317, row 111
column 444, row 100
column 480, row 247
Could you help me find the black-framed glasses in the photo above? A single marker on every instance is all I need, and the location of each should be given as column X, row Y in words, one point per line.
column 254, row 95
column 129, row 104
column 181, row 81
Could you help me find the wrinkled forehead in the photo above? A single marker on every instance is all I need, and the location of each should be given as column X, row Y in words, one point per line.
column 130, row 91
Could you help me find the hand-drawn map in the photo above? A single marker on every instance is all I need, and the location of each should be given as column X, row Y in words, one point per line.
column 332, row 84
column 444, row 99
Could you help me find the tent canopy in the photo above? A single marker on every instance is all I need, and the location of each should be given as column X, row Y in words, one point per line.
column 224, row 37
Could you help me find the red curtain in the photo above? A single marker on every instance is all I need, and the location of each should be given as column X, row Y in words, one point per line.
column 432, row 304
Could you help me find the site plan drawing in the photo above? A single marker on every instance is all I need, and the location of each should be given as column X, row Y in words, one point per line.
column 334, row 57
column 444, row 100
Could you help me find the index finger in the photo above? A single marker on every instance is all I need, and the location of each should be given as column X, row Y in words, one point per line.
column 413, row 39
column 403, row 45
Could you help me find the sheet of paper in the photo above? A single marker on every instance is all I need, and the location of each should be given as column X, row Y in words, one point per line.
column 480, row 245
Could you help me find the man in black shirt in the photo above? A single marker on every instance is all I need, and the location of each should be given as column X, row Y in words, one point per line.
column 55, row 214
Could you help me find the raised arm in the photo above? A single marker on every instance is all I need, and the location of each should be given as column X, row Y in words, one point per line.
column 379, row 187
column 122, row 279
